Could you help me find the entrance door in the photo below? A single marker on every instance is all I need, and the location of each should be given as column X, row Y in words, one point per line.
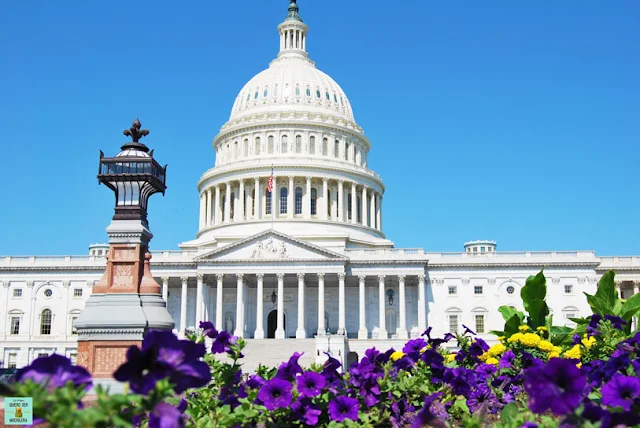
column 272, row 323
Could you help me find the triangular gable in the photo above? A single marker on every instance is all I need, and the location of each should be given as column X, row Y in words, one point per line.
column 272, row 246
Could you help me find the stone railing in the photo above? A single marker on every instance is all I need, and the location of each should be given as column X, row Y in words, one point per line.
column 34, row 261
column 620, row 261
column 385, row 253
column 540, row 255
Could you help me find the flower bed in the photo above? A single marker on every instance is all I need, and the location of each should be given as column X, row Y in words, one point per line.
column 536, row 375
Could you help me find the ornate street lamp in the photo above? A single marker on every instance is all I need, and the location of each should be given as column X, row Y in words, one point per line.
column 390, row 297
column 133, row 175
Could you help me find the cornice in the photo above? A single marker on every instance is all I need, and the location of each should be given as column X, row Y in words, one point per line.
column 536, row 264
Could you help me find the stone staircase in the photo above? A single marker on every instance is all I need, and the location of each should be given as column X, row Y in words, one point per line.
column 272, row 352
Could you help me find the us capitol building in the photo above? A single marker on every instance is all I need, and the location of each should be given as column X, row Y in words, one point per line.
column 291, row 244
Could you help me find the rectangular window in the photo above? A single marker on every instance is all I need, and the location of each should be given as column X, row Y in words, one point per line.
column 453, row 290
column 479, row 324
column 267, row 205
column 73, row 325
column 15, row 325
column 42, row 354
column 482, row 249
column 77, row 292
column 568, row 289
column 477, row 289
column 74, row 358
column 312, row 145
column 17, row 292
column 453, row 324
column 12, row 361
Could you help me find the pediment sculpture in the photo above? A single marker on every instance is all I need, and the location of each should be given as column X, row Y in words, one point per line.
column 270, row 249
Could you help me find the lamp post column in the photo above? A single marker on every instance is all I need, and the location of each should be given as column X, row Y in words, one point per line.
column 381, row 309
column 300, row 332
column 280, row 333
column 259, row 333
column 402, row 331
column 362, row 331
column 322, row 330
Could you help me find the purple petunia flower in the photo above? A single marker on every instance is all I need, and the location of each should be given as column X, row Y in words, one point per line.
column 575, row 340
column 55, row 371
column 164, row 415
column 460, row 380
column 479, row 397
column 415, row 345
column 506, row 361
column 221, row 343
column 343, row 407
column 305, row 411
column 621, row 391
column 290, row 369
column 485, row 370
column 275, row 394
column 617, row 322
column 528, row 425
column 594, row 413
column 310, row 384
column 478, row 347
column 163, row 356
column 619, row 361
column 425, row 416
column 558, row 385
column 468, row 330
column 208, row 329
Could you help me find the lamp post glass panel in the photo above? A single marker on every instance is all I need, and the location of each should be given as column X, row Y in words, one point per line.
column 134, row 175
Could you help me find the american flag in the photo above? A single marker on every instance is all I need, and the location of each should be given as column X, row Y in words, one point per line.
column 270, row 183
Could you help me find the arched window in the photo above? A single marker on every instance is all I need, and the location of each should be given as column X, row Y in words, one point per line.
column 270, row 144
column 298, row 144
column 283, row 145
column 308, row 91
column 326, row 94
column 346, row 151
column 314, row 201
column 336, row 149
column 283, row 200
column 312, row 145
column 266, row 92
column 570, row 312
column 256, row 150
column 297, row 90
column 480, row 320
column 45, row 322
column 223, row 204
column 298, row 200
column 255, row 96
column 318, row 93
column 454, row 320
column 349, row 209
column 245, row 148
column 232, row 206
column 267, row 205
column 358, row 209
column 325, row 147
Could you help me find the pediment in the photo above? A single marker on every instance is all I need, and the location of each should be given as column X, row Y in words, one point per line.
column 273, row 247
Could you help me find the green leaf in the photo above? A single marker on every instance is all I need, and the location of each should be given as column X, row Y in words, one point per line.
column 509, row 311
column 461, row 404
column 598, row 306
column 538, row 310
column 510, row 412
column 630, row 308
column 512, row 325
column 607, row 292
column 535, row 288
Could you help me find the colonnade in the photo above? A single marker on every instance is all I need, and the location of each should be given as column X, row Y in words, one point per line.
column 304, row 197
column 301, row 333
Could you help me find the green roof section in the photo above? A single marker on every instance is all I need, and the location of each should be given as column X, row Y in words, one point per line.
column 293, row 12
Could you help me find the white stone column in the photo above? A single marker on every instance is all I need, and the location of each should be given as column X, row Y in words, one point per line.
column 259, row 333
column 362, row 331
column 341, row 200
column 324, row 207
column 219, row 291
column 363, row 205
column 256, row 199
column 275, row 209
column 379, row 212
column 227, row 202
column 307, row 200
column 354, row 204
column 336, row 206
column 280, row 333
column 341, row 305
column 183, row 305
column 200, row 279
column 422, row 303
column 239, row 306
column 209, row 212
column 218, row 215
column 322, row 330
column 300, row 332
column 203, row 207
column 291, row 205
column 165, row 289
column 402, row 331
column 381, row 309
column 241, row 200
column 372, row 209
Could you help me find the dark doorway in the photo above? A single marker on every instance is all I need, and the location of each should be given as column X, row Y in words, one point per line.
column 352, row 357
column 272, row 323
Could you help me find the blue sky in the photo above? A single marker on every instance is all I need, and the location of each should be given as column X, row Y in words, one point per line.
column 513, row 121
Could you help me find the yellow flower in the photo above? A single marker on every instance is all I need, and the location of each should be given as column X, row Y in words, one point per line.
column 450, row 357
column 397, row 355
column 573, row 353
column 545, row 346
column 589, row 342
column 553, row 354
column 496, row 350
column 542, row 328
column 515, row 337
column 530, row 339
column 523, row 328
column 579, row 365
column 501, row 338
column 484, row 356
column 557, row 349
column 492, row 360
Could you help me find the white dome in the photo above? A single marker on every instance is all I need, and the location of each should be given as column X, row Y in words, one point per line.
column 292, row 84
